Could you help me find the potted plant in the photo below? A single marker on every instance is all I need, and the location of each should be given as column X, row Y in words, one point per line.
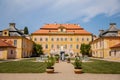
column 68, row 60
column 50, row 62
column 78, row 66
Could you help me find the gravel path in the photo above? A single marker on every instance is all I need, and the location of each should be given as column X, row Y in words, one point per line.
column 63, row 71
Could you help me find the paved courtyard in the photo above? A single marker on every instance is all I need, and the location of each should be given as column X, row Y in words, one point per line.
column 63, row 71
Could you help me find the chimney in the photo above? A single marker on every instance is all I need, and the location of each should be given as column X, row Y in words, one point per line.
column 112, row 25
column 12, row 25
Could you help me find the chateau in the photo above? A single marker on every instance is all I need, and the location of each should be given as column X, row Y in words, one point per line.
column 107, row 45
column 14, row 43
column 61, row 38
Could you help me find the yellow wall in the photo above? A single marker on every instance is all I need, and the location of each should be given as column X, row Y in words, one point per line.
column 23, row 47
column 60, row 43
column 103, row 50
column 3, row 53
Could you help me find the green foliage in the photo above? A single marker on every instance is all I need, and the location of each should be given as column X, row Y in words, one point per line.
column 78, row 63
column 57, row 55
column 50, row 62
column 66, row 55
column 57, row 58
column 37, row 49
column 26, row 30
column 68, row 59
column 85, row 49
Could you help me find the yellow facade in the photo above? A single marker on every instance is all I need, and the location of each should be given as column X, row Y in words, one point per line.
column 7, row 53
column 3, row 53
column 22, row 43
column 68, row 42
column 53, row 41
column 23, row 46
column 101, row 46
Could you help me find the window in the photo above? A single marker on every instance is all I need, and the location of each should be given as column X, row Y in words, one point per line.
column 35, row 39
column 70, row 39
column 46, row 46
column 57, row 46
column 82, row 39
column 52, row 39
column 15, row 42
column 11, row 51
column 46, row 39
column 5, row 33
column 115, row 53
column 65, row 46
column 87, row 39
column 77, row 39
column 110, row 53
column 71, row 46
column 65, row 39
column 77, row 46
column 40, row 39
column 57, row 39
column 62, row 30
column 61, row 39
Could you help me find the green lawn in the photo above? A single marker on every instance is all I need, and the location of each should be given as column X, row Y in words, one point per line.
column 100, row 66
column 28, row 66
column 22, row 67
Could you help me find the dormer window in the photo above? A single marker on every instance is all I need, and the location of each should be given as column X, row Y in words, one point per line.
column 5, row 33
column 62, row 29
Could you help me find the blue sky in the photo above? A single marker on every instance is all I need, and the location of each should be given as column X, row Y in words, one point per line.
column 92, row 15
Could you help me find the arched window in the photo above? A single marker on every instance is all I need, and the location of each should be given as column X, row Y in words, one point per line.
column 61, row 29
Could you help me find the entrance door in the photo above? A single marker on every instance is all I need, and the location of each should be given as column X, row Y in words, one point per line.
column 62, row 55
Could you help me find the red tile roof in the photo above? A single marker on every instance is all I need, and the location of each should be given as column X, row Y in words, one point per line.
column 73, row 28
column 116, row 46
column 5, row 44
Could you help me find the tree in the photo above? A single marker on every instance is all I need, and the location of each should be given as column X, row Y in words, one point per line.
column 37, row 49
column 26, row 30
column 85, row 49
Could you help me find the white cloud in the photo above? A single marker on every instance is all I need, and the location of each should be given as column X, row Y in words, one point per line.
column 65, row 10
